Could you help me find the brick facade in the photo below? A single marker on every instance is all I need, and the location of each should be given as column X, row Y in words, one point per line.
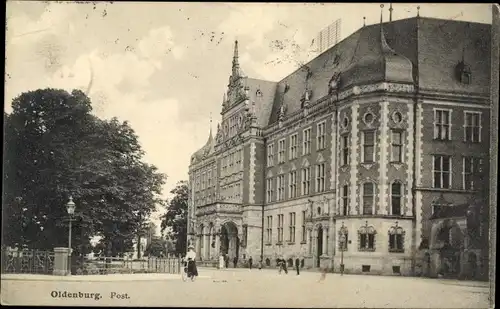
column 348, row 154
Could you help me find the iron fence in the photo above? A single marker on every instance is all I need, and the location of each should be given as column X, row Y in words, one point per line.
column 27, row 261
column 116, row 265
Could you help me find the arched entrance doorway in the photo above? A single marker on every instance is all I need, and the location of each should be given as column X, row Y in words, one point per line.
column 229, row 242
column 319, row 246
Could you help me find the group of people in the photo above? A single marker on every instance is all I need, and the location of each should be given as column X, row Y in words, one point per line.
column 190, row 262
column 282, row 265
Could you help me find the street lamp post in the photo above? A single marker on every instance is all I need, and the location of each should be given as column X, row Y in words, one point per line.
column 342, row 243
column 70, row 207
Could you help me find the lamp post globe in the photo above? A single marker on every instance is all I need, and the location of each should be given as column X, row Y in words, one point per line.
column 70, row 206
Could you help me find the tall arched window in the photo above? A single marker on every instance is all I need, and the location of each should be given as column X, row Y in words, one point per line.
column 366, row 238
column 201, row 235
column 396, row 198
column 396, row 239
column 368, row 198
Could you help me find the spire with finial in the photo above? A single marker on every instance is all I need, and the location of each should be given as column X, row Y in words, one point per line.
column 236, row 65
column 210, row 123
column 418, row 11
column 390, row 12
column 364, row 21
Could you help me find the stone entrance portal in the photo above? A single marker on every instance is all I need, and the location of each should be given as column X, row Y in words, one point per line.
column 229, row 242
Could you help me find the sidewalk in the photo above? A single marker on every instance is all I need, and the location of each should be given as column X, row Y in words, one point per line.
column 96, row 278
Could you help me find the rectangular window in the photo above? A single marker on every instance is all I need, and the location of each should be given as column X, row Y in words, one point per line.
column 472, row 127
column 280, row 228
column 368, row 198
column 396, row 189
column 369, row 146
column 304, row 234
column 270, row 190
column 345, row 200
column 321, row 135
column 293, row 146
column 281, row 187
column 442, row 172
column 442, row 124
column 270, row 155
column 281, row 151
column 344, row 150
column 306, row 141
column 209, row 179
column 306, row 180
column 320, row 177
column 472, row 168
column 293, row 184
column 397, row 146
column 291, row 236
column 269, row 229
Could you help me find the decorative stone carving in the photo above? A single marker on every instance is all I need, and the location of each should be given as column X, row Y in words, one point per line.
column 334, row 83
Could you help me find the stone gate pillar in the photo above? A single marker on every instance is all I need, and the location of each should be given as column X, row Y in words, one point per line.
column 61, row 256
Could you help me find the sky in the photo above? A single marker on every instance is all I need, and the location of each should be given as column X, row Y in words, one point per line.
column 164, row 67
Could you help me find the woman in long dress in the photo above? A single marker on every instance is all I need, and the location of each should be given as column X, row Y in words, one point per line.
column 192, row 271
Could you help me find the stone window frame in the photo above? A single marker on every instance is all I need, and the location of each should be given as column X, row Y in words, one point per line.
column 294, row 147
column 306, row 143
column 374, row 146
column 401, row 145
column 345, row 152
column 401, row 196
column 475, row 162
column 344, row 199
column 321, row 139
column 362, row 189
column 270, row 154
column 396, row 231
column 441, row 171
column 471, row 126
column 281, row 151
column 367, row 230
column 438, row 127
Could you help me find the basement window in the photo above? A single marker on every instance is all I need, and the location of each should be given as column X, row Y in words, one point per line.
column 365, row 268
column 396, row 270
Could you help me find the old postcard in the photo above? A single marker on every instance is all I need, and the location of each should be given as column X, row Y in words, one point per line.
column 298, row 155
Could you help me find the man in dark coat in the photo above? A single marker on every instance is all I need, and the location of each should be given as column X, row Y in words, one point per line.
column 250, row 261
column 235, row 261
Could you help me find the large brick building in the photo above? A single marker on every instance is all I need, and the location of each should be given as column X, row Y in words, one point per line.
column 374, row 141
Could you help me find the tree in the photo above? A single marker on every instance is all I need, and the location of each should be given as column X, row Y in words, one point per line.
column 55, row 148
column 157, row 247
column 176, row 217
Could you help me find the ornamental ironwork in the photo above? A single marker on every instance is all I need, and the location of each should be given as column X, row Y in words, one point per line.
column 27, row 261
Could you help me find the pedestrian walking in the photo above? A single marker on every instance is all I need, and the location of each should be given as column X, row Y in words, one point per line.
column 297, row 265
column 250, row 261
column 235, row 261
column 260, row 264
column 323, row 275
column 285, row 268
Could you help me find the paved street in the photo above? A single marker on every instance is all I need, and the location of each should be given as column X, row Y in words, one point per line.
column 241, row 287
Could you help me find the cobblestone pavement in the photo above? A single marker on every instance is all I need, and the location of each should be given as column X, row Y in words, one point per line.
column 244, row 288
